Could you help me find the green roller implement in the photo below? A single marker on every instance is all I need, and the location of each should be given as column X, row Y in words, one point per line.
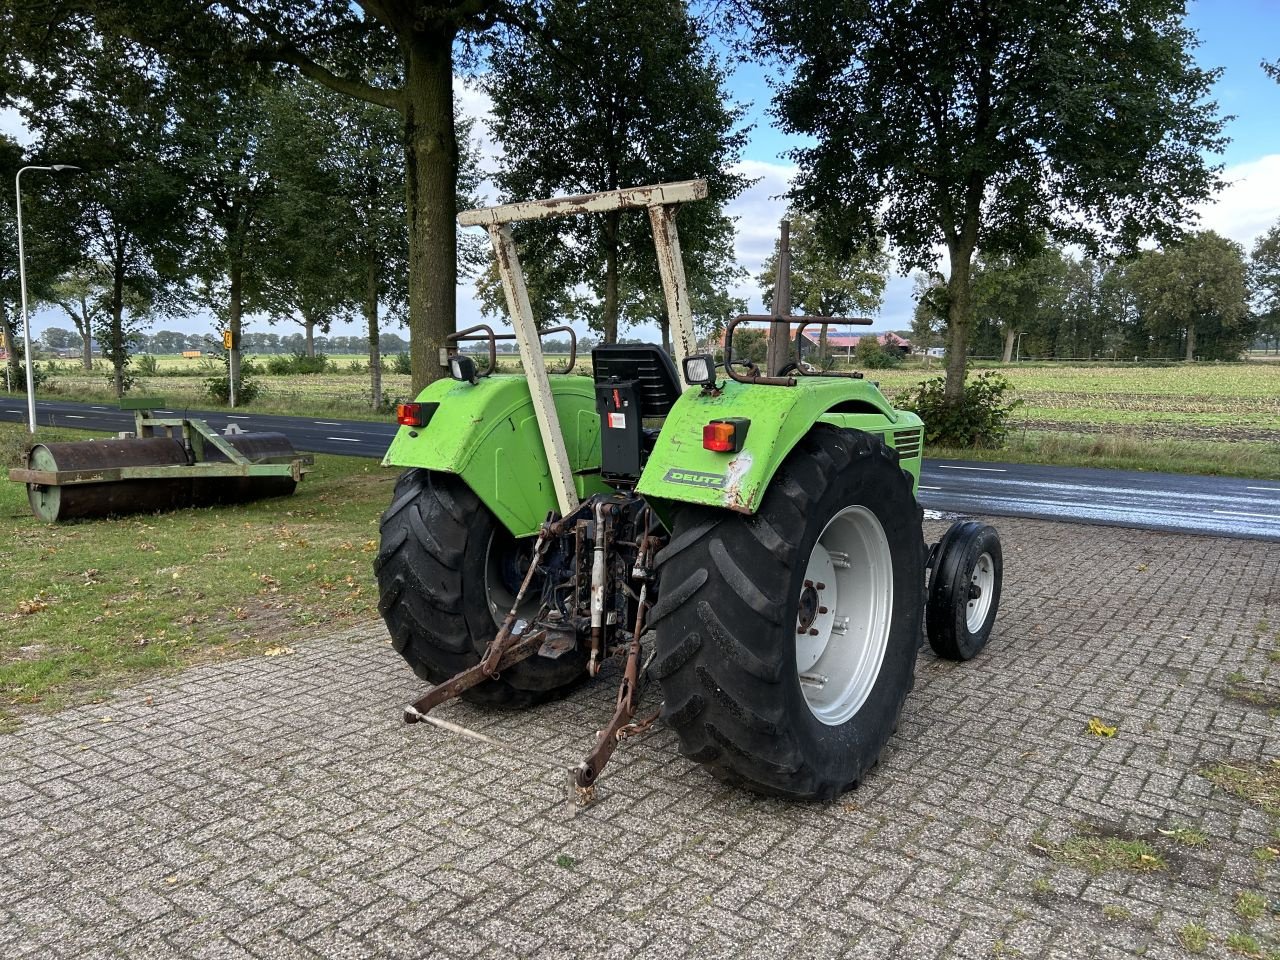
column 745, row 542
column 167, row 464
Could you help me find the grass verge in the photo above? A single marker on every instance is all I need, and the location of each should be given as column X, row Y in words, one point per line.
column 1257, row 460
column 88, row 606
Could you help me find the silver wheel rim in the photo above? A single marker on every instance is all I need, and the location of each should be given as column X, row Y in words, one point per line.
column 498, row 595
column 984, row 579
column 845, row 611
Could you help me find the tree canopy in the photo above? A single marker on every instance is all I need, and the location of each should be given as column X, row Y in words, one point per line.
column 607, row 95
column 988, row 124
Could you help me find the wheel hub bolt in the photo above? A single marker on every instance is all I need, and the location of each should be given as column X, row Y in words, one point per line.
column 975, row 591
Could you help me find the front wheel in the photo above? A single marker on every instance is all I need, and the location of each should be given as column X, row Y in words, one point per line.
column 786, row 641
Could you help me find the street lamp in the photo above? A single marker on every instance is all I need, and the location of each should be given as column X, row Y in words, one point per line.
column 22, row 278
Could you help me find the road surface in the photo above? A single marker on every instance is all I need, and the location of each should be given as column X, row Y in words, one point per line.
column 1222, row 506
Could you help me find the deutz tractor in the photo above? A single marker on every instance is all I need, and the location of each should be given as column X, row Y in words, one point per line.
column 749, row 539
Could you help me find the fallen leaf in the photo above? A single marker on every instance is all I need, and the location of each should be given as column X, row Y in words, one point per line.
column 1100, row 729
column 276, row 651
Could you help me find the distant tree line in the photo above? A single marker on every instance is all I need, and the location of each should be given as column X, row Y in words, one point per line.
column 1197, row 298
column 60, row 339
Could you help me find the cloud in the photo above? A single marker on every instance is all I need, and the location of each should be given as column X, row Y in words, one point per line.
column 11, row 125
column 1249, row 204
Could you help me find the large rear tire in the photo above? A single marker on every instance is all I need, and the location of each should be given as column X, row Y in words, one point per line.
column 765, row 682
column 447, row 573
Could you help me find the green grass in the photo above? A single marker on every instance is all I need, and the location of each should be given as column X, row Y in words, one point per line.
column 1211, row 419
column 1194, row 938
column 87, row 606
column 1099, row 854
column 1250, row 905
column 1255, row 783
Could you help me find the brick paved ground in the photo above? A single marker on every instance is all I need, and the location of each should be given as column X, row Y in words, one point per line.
column 276, row 807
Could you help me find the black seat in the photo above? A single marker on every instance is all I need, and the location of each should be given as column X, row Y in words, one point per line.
column 648, row 365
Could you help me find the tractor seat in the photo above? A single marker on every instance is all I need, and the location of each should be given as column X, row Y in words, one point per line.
column 647, row 365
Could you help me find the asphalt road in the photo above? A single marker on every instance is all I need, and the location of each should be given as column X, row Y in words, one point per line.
column 1221, row 506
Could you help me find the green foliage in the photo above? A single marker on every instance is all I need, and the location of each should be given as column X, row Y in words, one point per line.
column 400, row 364
column 935, row 122
column 297, row 363
column 147, row 366
column 870, row 354
column 981, row 420
column 218, row 389
column 1194, row 295
column 622, row 94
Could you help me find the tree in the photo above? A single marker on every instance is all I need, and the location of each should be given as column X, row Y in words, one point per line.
column 929, row 316
column 83, row 295
column 221, row 140
column 624, row 94
column 1195, row 293
column 1264, row 278
column 988, row 124
column 109, row 110
column 1013, row 297
column 331, row 42
column 826, row 282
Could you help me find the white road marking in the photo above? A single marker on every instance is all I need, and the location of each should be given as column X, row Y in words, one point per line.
column 232, row 416
column 97, row 408
column 944, row 466
column 1238, row 513
column 164, row 411
column 73, row 416
column 1268, row 489
column 923, row 487
column 326, row 423
column 344, row 439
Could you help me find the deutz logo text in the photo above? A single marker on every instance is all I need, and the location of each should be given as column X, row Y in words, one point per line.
column 696, row 478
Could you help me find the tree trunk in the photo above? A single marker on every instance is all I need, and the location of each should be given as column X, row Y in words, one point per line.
column 235, row 305
column 14, row 367
column 371, row 315
column 85, row 329
column 309, row 325
column 610, row 318
column 959, row 316
column 1010, row 336
column 1191, row 340
column 431, row 167
column 117, row 348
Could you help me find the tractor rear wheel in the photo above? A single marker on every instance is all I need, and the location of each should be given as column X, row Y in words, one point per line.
column 786, row 641
column 448, row 572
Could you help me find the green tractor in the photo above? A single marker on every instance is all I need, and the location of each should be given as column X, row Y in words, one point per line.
column 750, row 540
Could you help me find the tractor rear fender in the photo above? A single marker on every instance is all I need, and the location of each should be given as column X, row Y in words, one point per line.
column 487, row 434
column 681, row 470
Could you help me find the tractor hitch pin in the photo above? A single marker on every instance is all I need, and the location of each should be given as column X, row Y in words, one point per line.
column 598, row 567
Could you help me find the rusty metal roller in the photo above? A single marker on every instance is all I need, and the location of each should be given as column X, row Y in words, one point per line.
column 77, row 501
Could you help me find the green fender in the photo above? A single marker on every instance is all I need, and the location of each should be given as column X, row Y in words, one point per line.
column 681, row 470
column 487, row 434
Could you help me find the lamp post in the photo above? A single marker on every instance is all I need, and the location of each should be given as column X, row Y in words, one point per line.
column 22, row 280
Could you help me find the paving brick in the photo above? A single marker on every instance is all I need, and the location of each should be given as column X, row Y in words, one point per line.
column 276, row 807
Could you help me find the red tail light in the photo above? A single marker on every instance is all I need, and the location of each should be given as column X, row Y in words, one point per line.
column 725, row 436
column 410, row 415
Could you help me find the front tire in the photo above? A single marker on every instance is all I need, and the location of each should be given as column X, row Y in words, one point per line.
column 751, row 691
column 447, row 572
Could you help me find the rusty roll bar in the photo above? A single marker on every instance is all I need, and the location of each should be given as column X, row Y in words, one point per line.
column 755, row 376
column 492, row 339
column 825, row 322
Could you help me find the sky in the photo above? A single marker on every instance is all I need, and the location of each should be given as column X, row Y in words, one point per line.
column 1235, row 35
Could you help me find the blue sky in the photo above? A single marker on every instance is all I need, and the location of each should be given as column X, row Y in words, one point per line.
column 1235, row 35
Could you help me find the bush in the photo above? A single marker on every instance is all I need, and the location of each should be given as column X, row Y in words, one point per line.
column 400, row 364
column 981, row 421
column 871, row 354
column 219, row 390
column 148, row 366
column 297, row 363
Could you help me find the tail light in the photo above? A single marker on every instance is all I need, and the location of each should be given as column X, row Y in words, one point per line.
column 725, row 436
column 413, row 414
